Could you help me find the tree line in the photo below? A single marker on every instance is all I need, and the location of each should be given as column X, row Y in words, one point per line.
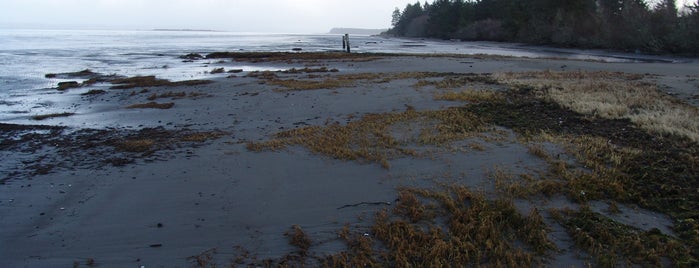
column 631, row 25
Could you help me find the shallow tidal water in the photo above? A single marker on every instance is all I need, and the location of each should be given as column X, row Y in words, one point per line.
column 26, row 56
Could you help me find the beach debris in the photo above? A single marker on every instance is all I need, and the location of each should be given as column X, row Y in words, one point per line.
column 87, row 73
column 151, row 81
column 151, row 105
column 156, row 245
column 47, row 116
column 68, row 85
column 235, row 71
column 346, row 43
column 90, row 76
column 94, row 92
column 217, row 70
column 366, row 204
column 192, row 56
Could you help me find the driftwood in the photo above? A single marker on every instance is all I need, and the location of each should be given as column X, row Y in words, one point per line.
column 366, row 204
column 346, row 43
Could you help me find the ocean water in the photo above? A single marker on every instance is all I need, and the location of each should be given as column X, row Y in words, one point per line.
column 26, row 56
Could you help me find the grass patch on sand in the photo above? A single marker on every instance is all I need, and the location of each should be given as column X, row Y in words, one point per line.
column 151, row 81
column 338, row 81
column 613, row 244
column 440, row 227
column 151, row 105
column 614, row 96
column 365, row 140
column 150, row 140
column 203, row 136
column 294, row 84
column 452, row 81
column 370, row 139
column 469, row 95
column 175, row 95
column 136, row 145
column 524, row 186
column 475, row 231
column 434, row 228
column 621, row 140
column 616, row 159
column 48, row 116
column 265, row 75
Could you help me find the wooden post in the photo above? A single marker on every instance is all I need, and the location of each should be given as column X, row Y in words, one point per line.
column 347, row 43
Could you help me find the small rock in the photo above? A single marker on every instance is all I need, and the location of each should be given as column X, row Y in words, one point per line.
column 192, row 56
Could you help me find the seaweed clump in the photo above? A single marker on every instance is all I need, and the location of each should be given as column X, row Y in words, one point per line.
column 151, row 105
column 151, row 81
column 47, row 116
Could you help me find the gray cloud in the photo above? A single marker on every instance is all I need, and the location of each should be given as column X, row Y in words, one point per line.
column 302, row 16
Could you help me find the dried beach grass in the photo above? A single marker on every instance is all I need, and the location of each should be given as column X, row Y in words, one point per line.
column 151, row 105
column 612, row 95
column 370, row 139
column 474, row 230
column 614, row 244
column 469, row 95
column 136, row 145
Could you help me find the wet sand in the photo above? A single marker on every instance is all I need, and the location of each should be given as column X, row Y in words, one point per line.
column 71, row 194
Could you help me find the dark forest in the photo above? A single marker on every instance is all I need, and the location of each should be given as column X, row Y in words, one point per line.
column 629, row 25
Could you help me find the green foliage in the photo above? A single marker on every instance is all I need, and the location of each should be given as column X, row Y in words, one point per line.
column 404, row 23
column 630, row 25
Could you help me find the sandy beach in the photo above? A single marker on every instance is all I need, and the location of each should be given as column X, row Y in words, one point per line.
column 290, row 167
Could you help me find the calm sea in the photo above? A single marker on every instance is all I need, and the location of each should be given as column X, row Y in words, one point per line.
column 27, row 55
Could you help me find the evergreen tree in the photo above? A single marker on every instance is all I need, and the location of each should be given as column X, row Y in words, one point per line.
column 396, row 17
column 621, row 24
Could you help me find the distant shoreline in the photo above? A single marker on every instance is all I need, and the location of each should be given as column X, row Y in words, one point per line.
column 185, row 30
column 356, row 31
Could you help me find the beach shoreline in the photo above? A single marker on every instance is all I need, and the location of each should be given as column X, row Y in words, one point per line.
column 175, row 174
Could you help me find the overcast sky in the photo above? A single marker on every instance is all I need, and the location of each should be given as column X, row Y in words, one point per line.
column 271, row 16
column 280, row 16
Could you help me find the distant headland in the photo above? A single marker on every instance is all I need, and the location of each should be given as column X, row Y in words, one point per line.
column 183, row 30
column 358, row 31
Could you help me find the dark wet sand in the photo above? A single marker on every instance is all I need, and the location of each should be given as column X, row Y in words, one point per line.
column 158, row 208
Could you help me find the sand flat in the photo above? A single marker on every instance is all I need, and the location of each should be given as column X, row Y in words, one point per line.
column 64, row 202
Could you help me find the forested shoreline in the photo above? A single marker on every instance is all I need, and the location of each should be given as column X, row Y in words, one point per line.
column 629, row 25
